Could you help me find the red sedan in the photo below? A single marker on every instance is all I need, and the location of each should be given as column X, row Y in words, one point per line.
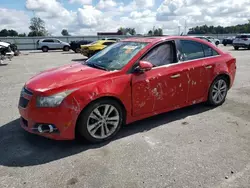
column 130, row 80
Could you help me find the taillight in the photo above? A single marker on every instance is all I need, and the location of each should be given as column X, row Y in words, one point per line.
column 245, row 39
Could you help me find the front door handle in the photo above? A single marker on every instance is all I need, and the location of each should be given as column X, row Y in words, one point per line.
column 208, row 66
column 175, row 76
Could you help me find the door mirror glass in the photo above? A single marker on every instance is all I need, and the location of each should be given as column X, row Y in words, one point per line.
column 144, row 66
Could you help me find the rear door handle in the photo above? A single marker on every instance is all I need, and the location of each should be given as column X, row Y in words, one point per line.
column 175, row 76
column 208, row 66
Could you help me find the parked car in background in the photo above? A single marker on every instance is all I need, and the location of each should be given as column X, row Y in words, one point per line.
column 242, row 41
column 214, row 40
column 205, row 38
column 52, row 44
column 128, row 81
column 76, row 45
column 92, row 48
column 5, row 52
column 115, row 39
column 228, row 40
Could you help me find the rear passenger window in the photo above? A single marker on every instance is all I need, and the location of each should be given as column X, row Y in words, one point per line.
column 191, row 50
column 48, row 40
column 208, row 51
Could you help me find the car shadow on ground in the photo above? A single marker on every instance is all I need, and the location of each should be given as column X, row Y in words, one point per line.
column 81, row 59
column 19, row 148
column 41, row 52
column 69, row 52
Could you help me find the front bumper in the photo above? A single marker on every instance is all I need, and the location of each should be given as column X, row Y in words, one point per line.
column 63, row 117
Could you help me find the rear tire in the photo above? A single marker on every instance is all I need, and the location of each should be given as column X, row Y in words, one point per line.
column 236, row 48
column 217, row 43
column 224, row 44
column 100, row 121
column 218, row 91
column 45, row 49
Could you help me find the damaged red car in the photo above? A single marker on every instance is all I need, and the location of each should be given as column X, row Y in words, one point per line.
column 130, row 80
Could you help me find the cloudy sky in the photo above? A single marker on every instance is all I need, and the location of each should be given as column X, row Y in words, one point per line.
column 84, row 17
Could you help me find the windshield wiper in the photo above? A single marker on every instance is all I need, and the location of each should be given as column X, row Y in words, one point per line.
column 97, row 66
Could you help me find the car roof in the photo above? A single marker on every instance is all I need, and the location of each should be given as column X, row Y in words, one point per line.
column 158, row 39
column 49, row 39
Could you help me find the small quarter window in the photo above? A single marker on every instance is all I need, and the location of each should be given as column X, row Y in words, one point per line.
column 208, row 51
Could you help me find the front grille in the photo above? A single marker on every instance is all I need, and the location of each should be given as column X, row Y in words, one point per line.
column 28, row 92
column 24, row 121
column 23, row 102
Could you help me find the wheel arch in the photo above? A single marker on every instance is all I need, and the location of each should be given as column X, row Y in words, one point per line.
column 44, row 46
column 226, row 76
column 99, row 99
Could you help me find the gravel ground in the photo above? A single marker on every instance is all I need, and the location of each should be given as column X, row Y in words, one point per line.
column 192, row 147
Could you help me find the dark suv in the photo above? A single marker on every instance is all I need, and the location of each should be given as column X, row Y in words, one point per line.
column 76, row 45
column 242, row 41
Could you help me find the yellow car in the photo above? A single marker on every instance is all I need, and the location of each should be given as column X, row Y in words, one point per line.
column 92, row 48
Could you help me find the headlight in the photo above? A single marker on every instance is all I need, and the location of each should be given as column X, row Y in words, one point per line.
column 53, row 100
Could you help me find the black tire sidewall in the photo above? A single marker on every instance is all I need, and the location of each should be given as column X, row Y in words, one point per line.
column 77, row 50
column 45, row 49
column 66, row 48
column 210, row 95
column 83, row 118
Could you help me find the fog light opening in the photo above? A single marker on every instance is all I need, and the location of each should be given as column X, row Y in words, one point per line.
column 43, row 128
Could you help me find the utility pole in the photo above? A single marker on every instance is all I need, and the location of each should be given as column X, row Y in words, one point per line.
column 185, row 30
column 179, row 29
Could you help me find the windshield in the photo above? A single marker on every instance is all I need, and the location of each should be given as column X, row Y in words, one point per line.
column 115, row 56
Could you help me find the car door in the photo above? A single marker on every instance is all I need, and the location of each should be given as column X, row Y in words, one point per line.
column 164, row 86
column 57, row 44
column 49, row 43
column 198, row 68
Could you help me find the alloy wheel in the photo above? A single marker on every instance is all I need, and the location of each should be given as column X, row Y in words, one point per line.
column 103, row 121
column 219, row 91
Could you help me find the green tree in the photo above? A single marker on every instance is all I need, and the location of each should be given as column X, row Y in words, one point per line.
column 65, row 32
column 22, row 35
column 13, row 33
column 4, row 33
column 156, row 32
column 150, row 32
column 125, row 31
column 240, row 28
column 37, row 27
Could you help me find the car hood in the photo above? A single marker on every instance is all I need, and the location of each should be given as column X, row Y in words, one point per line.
column 64, row 76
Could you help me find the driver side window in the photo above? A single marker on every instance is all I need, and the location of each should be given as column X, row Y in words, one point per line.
column 160, row 55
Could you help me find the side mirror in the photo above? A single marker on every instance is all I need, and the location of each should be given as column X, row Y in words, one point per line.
column 144, row 66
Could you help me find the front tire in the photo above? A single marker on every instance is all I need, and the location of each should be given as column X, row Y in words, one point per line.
column 236, row 48
column 66, row 48
column 100, row 121
column 218, row 91
column 77, row 50
column 217, row 43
